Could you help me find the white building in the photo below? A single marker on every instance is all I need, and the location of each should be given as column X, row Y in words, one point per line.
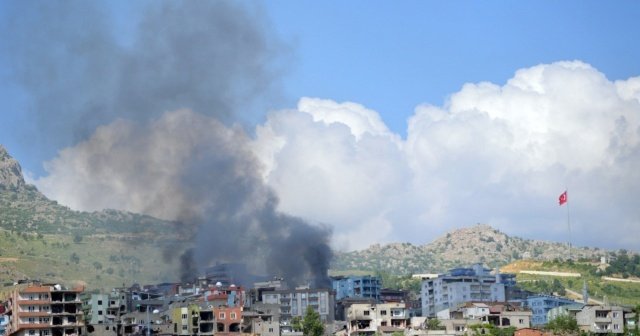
column 295, row 302
column 369, row 319
column 460, row 285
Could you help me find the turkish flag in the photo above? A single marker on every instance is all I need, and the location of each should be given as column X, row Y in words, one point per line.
column 563, row 198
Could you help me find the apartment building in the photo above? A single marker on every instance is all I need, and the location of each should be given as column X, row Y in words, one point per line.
column 508, row 315
column 541, row 304
column 228, row 320
column 294, row 302
column 365, row 286
column 262, row 319
column 461, row 285
column 369, row 319
column 46, row 310
column 186, row 320
column 600, row 319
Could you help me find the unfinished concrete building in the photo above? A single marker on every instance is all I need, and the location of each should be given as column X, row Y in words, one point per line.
column 46, row 310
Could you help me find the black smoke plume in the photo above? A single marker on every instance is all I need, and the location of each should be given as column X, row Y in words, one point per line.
column 150, row 120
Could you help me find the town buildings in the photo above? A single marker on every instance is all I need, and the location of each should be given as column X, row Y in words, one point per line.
column 461, row 285
column 201, row 308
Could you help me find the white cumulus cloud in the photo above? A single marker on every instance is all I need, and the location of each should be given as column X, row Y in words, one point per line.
column 497, row 154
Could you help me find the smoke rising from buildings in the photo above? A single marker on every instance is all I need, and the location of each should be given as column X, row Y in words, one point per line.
column 149, row 120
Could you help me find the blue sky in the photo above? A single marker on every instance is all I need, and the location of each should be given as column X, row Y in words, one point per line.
column 414, row 100
column 392, row 56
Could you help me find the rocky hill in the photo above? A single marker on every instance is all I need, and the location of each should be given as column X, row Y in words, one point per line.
column 461, row 247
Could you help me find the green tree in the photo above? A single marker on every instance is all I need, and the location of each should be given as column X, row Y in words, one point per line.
column 433, row 324
column 311, row 324
column 296, row 323
column 563, row 325
column 491, row 330
column 77, row 238
column 74, row 258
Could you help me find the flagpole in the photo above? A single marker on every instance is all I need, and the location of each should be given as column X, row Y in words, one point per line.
column 568, row 222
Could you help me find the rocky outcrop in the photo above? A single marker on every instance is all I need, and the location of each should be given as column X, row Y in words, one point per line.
column 10, row 171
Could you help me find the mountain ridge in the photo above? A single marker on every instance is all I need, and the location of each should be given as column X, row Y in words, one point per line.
column 479, row 243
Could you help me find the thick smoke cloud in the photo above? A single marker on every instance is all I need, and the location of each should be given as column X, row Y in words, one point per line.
column 212, row 64
column 215, row 58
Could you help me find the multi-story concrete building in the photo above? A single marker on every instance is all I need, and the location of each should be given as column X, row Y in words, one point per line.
column 368, row 319
column 461, row 285
column 365, row 286
column 602, row 319
column 228, row 320
column 294, row 302
column 508, row 315
column 46, row 310
column 263, row 319
column 186, row 319
column 541, row 304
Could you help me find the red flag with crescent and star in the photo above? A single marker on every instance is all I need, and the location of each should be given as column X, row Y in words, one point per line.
column 563, row 198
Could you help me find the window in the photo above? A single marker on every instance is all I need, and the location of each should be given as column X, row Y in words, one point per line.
column 113, row 302
column 521, row 321
column 99, row 312
column 616, row 327
column 184, row 327
column 31, row 308
column 45, row 332
column 615, row 314
column 383, row 312
column 32, row 332
column 221, row 316
column 270, row 330
column 184, row 316
column 366, row 313
column 232, row 316
column 99, row 302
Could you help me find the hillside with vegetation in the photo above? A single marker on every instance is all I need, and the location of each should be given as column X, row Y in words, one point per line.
column 41, row 239
column 461, row 247
column 559, row 277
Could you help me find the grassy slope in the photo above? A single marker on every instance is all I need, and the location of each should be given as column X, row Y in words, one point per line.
column 97, row 261
column 615, row 292
column 40, row 239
